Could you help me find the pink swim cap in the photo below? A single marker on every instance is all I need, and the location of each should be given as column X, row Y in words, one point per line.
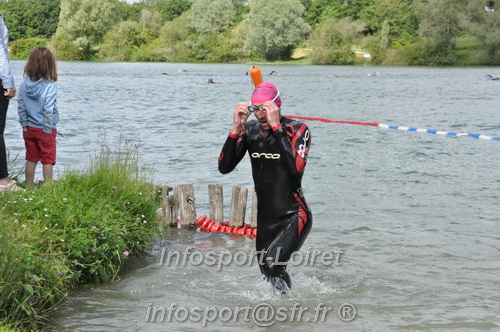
column 266, row 91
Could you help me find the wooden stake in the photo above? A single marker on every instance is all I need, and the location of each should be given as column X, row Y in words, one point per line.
column 253, row 222
column 238, row 207
column 216, row 199
column 169, row 206
column 184, row 196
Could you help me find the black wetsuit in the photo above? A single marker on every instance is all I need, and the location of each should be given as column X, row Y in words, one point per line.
column 278, row 161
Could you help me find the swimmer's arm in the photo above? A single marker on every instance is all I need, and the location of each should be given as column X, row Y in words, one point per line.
column 294, row 150
column 232, row 152
column 235, row 148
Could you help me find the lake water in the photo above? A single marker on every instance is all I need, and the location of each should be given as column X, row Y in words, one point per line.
column 415, row 215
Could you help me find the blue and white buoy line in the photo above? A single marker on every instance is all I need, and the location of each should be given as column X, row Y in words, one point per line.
column 410, row 129
column 438, row 132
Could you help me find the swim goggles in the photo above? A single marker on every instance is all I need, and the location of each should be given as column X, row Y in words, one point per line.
column 253, row 108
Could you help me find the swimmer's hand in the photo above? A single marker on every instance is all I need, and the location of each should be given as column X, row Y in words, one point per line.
column 273, row 113
column 241, row 115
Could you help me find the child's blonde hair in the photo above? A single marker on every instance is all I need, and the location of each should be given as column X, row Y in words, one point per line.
column 41, row 64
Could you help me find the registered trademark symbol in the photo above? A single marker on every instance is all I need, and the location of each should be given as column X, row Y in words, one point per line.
column 347, row 312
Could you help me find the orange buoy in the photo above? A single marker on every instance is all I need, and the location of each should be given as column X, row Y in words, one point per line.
column 256, row 76
column 208, row 225
column 214, row 228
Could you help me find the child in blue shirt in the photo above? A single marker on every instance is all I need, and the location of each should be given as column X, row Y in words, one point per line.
column 38, row 114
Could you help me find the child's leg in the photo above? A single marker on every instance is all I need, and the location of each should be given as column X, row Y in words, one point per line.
column 32, row 153
column 30, row 172
column 47, row 172
column 48, row 154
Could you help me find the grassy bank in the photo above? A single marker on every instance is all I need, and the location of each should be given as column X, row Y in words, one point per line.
column 468, row 52
column 76, row 230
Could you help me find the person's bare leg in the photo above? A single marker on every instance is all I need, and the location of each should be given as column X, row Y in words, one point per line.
column 30, row 172
column 47, row 172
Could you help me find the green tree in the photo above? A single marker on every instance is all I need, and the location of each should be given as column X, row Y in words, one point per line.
column 171, row 9
column 212, row 16
column 316, row 9
column 87, row 21
column 378, row 45
column 134, row 41
column 274, row 27
column 332, row 41
column 398, row 14
column 385, row 41
column 240, row 10
column 177, row 30
column 178, row 39
column 64, row 47
column 339, row 9
column 121, row 41
column 228, row 49
column 31, row 18
column 306, row 3
column 484, row 25
column 151, row 22
column 209, row 20
column 130, row 11
column 320, row 10
column 440, row 22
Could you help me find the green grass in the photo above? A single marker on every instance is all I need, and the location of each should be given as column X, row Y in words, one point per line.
column 76, row 230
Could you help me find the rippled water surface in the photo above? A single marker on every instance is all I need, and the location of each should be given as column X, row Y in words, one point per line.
column 416, row 215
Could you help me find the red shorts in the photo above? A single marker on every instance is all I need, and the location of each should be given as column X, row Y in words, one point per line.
column 40, row 146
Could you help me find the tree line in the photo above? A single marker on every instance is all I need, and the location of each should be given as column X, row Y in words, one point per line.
column 392, row 32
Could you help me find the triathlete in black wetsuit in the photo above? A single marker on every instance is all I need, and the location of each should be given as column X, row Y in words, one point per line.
column 278, row 148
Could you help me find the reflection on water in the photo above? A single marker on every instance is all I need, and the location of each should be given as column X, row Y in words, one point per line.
column 415, row 214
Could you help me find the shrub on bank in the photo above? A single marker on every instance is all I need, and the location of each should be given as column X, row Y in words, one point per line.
column 20, row 49
column 76, row 230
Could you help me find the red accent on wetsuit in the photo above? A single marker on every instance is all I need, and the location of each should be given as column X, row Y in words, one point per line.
column 300, row 148
column 303, row 215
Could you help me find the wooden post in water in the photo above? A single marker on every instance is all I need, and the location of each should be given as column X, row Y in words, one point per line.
column 253, row 221
column 238, row 207
column 170, row 206
column 184, row 196
column 216, row 199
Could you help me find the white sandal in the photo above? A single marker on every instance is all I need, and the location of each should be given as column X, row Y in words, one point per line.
column 11, row 186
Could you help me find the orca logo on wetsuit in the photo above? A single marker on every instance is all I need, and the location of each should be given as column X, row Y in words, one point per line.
column 266, row 155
